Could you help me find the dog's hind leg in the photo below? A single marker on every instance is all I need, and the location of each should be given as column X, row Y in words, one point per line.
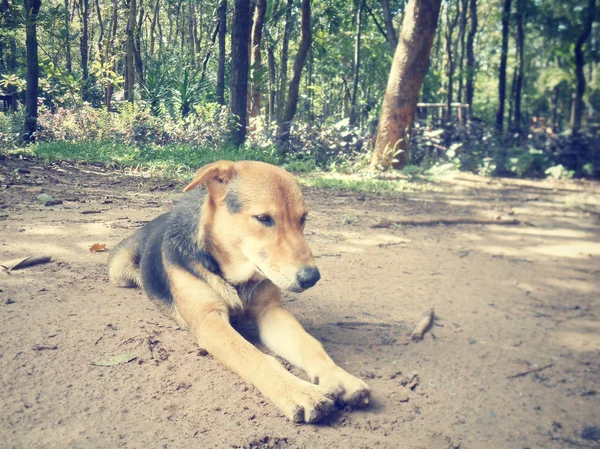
column 123, row 264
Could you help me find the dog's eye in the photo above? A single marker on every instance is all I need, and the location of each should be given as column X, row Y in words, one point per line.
column 265, row 219
column 303, row 219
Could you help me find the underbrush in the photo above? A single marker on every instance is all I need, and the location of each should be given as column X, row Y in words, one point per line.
column 151, row 137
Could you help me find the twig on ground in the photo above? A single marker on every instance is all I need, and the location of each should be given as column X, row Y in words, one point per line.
column 385, row 223
column 24, row 262
column 535, row 370
column 423, row 325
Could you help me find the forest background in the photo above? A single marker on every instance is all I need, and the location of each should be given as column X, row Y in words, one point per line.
column 511, row 86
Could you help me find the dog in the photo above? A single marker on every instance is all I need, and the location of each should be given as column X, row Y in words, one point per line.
column 227, row 248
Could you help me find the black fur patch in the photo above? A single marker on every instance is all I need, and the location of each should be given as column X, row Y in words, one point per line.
column 233, row 203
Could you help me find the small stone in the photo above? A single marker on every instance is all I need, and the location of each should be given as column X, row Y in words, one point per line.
column 202, row 352
column 9, row 301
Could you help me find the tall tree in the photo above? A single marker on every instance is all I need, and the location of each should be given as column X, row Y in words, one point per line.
column 502, row 74
column 68, row 38
column 283, row 66
column 238, row 94
column 84, row 9
column 255, row 61
column 451, row 21
column 130, row 71
column 404, row 83
column 220, row 91
column 32, row 9
column 359, row 12
column 470, row 75
column 292, row 97
column 588, row 20
column 518, row 85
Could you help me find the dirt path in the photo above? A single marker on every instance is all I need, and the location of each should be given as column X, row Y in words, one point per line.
column 508, row 300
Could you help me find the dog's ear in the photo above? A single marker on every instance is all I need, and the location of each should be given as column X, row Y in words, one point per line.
column 214, row 176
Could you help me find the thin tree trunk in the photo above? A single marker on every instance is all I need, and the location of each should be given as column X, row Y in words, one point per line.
column 359, row 13
column 404, row 84
column 502, row 74
column 392, row 37
column 272, row 79
column 32, row 8
column 470, row 81
column 222, row 12
column 450, row 52
column 138, row 45
column 284, row 63
column 255, row 60
column 153, row 26
column 519, row 77
column 292, row 98
column 130, row 71
column 192, row 41
column 68, row 38
column 101, row 37
column 209, row 50
column 461, row 39
column 580, row 62
column 85, row 14
column 238, row 95
column 111, row 38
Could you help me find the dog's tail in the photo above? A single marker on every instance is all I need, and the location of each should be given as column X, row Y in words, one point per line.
column 124, row 264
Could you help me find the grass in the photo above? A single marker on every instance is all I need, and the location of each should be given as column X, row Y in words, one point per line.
column 378, row 186
column 167, row 160
column 178, row 161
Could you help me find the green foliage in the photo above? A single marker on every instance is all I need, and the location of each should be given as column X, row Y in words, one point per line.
column 167, row 159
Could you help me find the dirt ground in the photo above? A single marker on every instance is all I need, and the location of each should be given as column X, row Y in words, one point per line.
column 511, row 362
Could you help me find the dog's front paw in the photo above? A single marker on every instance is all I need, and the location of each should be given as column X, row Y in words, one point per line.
column 304, row 402
column 348, row 389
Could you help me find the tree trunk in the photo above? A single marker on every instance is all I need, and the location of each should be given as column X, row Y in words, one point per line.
column 580, row 62
column 292, row 98
column 111, row 38
column 130, row 80
column 222, row 12
column 359, row 12
column 32, row 8
column 450, row 52
column 101, row 37
column 470, row 81
column 68, row 38
column 85, row 14
column 404, row 84
column 461, row 39
column 153, row 26
column 209, row 51
column 192, row 40
column 502, row 74
column 255, row 62
column 272, row 79
column 139, row 66
column 392, row 37
column 520, row 61
column 238, row 86
column 284, row 62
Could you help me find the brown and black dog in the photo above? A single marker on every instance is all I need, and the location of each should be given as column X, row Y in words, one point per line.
column 227, row 248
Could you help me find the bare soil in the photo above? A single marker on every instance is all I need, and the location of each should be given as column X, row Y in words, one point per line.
column 512, row 360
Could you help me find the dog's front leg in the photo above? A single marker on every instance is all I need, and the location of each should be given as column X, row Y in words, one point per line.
column 201, row 309
column 281, row 332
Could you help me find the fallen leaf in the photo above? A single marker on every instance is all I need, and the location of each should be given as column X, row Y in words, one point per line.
column 44, row 198
column 116, row 360
column 96, row 247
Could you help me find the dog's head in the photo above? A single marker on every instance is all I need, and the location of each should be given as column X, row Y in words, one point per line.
column 253, row 219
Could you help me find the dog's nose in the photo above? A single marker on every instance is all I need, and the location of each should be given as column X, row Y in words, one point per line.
column 308, row 276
